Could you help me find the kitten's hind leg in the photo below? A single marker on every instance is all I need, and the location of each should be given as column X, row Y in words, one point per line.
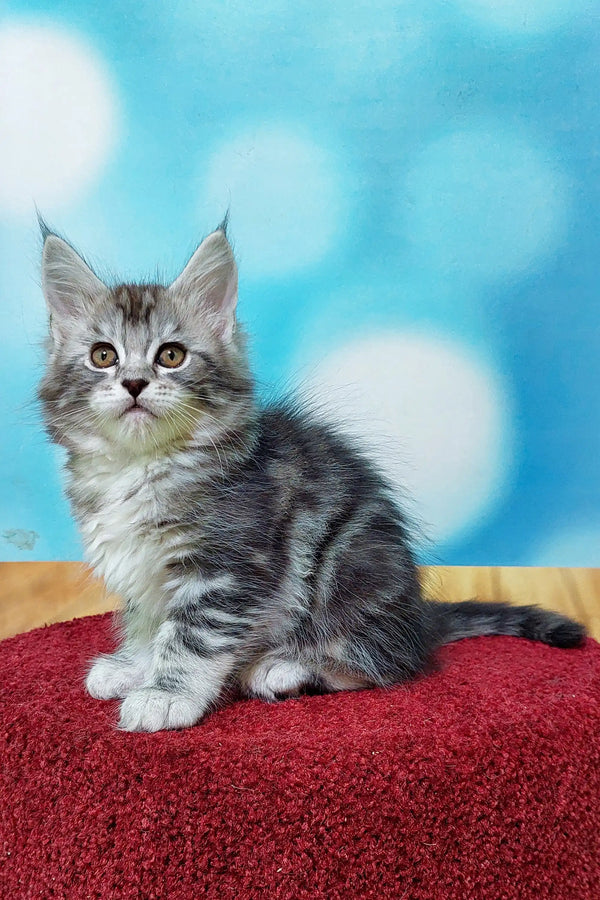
column 336, row 681
column 274, row 677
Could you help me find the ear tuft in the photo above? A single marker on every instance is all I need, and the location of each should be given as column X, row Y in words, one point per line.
column 45, row 229
column 209, row 284
column 224, row 224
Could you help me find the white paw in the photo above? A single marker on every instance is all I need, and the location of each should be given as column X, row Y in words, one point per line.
column 150, row 709
column 114, row 676
column 273, row 679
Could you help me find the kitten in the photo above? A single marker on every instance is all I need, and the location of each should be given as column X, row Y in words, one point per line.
column 252, row 545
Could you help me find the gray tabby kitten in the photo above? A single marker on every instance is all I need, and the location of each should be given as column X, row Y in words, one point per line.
column 253, row 547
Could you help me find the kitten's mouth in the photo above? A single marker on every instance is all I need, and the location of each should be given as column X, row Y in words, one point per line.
column 136, row 411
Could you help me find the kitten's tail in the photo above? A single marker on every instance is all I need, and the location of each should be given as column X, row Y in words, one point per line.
column 473, row 618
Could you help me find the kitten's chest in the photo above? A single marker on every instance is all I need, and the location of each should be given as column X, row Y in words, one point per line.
column 120, row 510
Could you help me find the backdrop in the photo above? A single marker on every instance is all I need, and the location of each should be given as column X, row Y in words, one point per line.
column 413, row 191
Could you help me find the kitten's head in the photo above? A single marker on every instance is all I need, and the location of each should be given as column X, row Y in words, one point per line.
column 143, row 368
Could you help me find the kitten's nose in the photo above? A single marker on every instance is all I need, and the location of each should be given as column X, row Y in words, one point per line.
column 135, row 386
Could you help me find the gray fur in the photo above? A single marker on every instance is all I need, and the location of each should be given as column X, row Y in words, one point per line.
column 253, row 546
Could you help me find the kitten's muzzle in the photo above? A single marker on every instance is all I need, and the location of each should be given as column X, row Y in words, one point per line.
column 135, row 386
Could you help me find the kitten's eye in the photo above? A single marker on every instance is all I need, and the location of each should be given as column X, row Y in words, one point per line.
column 170, row 356
column 103, row 356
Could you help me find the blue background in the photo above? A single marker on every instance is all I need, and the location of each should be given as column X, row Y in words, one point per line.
column 425, row 168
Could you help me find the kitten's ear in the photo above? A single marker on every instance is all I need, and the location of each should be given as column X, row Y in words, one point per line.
column 209, row 284
column 69, row 285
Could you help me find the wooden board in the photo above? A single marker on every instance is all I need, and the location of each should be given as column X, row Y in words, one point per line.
column 38, row 593
column 33, row 594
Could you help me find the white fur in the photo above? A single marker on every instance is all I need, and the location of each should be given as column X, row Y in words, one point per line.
column 116, row 676
column 150, row 709
column 271, row 678
column 121, row 541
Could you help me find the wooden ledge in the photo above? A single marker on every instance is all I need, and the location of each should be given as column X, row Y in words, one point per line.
column 33, row 594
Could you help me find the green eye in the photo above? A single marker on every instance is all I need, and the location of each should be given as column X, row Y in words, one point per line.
column 103, row 356
column 170, row 356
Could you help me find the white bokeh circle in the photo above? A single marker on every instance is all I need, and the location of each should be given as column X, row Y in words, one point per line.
column 432, row 415
column 575, row 545
column 484, row 203
column 284, row 196
column 57, row 117
column 524, row 16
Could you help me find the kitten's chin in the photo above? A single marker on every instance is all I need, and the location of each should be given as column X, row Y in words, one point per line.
column 139, row 430
column 142, row 430
column 138, row 426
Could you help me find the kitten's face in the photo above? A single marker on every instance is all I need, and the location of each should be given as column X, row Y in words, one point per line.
column 142, row 368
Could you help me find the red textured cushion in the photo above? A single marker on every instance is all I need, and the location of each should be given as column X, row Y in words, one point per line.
column 480, row 781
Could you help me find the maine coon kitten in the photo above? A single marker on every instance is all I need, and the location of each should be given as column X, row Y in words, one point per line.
column 252, row 545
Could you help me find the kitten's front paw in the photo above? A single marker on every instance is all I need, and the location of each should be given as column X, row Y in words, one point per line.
column 113, row 677
column 150, row 709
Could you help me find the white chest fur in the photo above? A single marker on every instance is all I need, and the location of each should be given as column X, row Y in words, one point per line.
column 119, row 507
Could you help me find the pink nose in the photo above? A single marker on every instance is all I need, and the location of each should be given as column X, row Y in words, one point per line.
column 135, row 386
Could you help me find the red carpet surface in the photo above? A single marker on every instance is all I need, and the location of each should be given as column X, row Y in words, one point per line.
column 479, row 781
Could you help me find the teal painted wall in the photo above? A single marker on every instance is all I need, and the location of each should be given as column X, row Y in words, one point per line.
column 414, row 195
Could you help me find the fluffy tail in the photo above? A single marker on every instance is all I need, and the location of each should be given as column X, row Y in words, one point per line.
column 473, row 618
